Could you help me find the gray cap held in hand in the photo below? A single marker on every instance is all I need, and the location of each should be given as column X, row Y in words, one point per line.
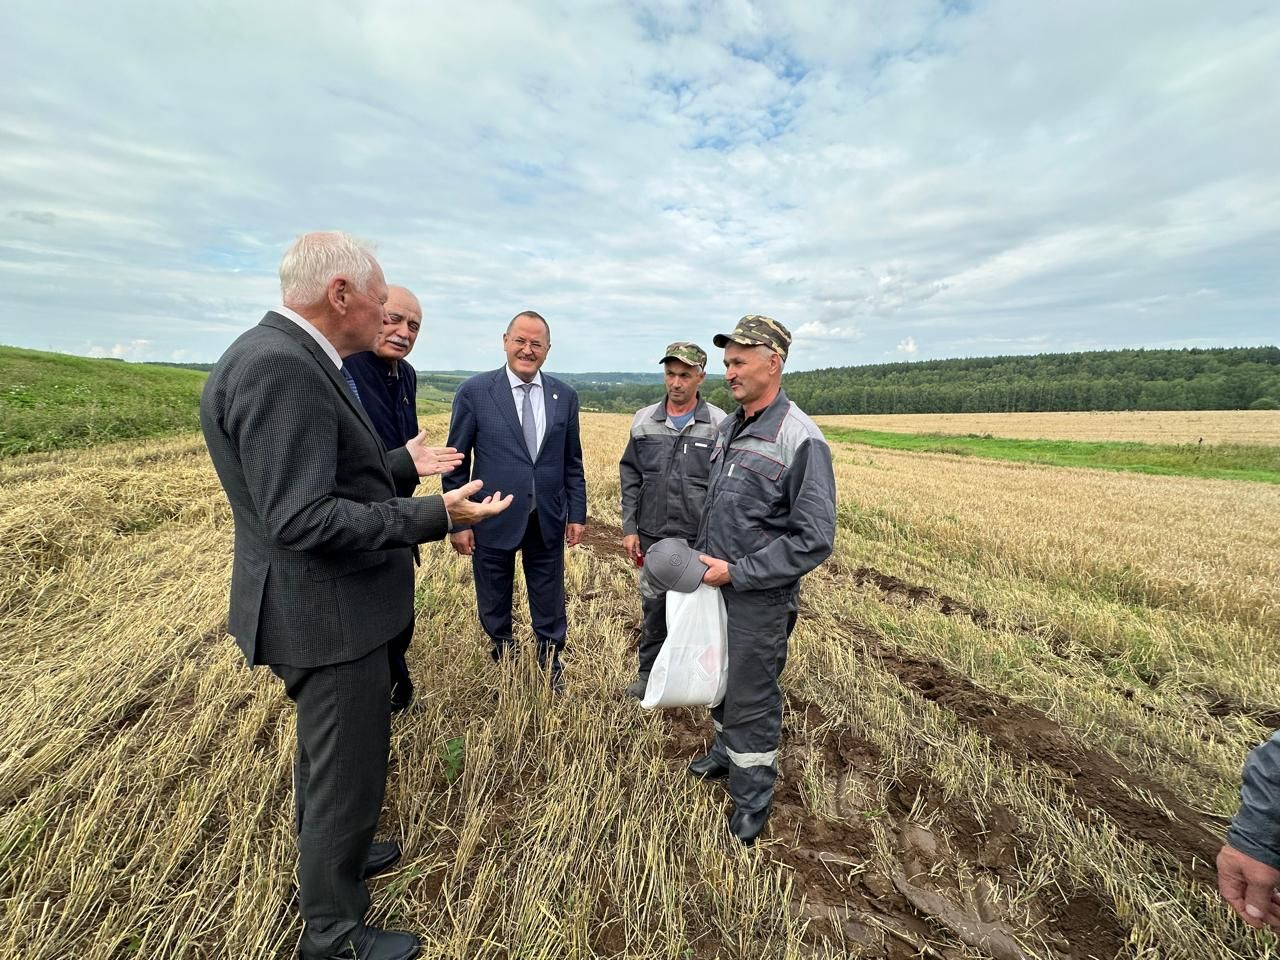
column 675, row 565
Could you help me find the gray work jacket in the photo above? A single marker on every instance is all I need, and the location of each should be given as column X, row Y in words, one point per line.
column 1255, row 831
column 771, row 500
column 664, row 471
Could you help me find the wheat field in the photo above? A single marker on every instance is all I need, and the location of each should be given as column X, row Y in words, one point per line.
column 1251, row 427
column 1018, row 700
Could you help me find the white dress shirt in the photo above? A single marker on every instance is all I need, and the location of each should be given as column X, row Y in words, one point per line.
column 315, row 334
column 535, row 397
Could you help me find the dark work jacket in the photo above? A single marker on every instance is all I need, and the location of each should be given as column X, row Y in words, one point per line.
column 663, row 471
column 1255, row 831
column 390, row 401
column 770, row 508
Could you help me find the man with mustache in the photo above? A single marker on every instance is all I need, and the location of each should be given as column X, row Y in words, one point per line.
column 769, row 519
column 388, row 387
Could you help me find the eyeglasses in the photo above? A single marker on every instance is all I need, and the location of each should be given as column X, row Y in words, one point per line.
column 537, row 346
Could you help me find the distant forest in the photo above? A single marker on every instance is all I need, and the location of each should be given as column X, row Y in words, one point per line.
column 1232, row 378
column 1236, row 378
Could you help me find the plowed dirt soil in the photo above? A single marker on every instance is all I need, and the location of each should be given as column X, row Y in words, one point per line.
column 948, row 861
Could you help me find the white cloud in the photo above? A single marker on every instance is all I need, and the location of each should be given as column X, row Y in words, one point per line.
column 823, row 331
column 133, row 350
column 908, row 345
column 977, row 175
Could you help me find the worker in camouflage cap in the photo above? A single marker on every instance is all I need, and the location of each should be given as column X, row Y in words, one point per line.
column 768, row 519
column 755, row 330
column 686, row 352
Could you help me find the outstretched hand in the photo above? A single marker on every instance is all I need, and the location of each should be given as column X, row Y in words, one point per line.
column 1249, row 886
column 431, row 461
column 470, row 512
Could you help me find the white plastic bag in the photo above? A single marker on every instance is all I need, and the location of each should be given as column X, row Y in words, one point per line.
column 692, row 668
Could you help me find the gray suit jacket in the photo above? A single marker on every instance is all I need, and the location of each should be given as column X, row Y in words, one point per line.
column 323, row 571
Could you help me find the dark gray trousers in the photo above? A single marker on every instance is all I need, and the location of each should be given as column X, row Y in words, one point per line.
column 749, row 720
column 655, row 621
column 339, row 778
column 397, row 648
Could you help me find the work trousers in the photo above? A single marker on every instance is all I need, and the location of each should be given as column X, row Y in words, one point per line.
column 494, row 572
column 749, row 719
column 339, row 779
column 654, row 610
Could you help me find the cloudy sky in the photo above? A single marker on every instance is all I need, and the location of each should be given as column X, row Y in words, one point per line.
column 892, row 180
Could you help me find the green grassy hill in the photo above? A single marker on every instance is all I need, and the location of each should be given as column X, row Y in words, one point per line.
column 52, row 400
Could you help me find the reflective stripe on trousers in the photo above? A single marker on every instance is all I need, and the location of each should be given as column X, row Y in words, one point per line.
column 749, row 721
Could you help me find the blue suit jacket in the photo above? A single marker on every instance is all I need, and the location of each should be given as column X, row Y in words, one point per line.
column 486, row 430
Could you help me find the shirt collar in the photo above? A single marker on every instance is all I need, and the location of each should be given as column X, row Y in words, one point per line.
column 315, row 334
column 700, row 411
column 767, row 422
column 517, row 382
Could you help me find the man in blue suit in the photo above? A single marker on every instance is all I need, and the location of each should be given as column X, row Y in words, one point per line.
column 518, row 429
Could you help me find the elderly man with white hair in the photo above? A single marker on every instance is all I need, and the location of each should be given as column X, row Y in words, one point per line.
column 322, row 574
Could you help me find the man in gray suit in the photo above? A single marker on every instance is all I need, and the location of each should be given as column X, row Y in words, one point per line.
column 322, row 575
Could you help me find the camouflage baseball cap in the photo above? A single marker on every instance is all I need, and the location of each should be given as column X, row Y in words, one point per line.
column 686, row 352
column 755, row 330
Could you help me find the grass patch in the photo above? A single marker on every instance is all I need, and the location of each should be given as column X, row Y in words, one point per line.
column 54, row 401
column 1218, row 461
column 49, row 401
column 431, row 399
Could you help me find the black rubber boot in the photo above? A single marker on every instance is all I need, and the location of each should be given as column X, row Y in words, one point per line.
column 711, row 766
column 752, row 792
column 748, row 826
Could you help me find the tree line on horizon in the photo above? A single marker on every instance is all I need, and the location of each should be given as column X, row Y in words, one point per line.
column 1216, row 378
column 1229, row 378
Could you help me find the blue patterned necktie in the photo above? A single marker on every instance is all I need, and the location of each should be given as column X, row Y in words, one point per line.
column 527, row 422
column 351, row 382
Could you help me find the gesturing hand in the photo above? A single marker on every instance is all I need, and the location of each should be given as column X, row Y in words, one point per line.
column 1249, row 886
column 468, row 512
column 431, row 461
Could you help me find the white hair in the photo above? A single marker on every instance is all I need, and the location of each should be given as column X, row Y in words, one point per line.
column 316, row 258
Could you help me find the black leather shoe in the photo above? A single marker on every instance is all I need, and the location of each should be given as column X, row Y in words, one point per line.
column 382, row 856
column 369, row 943
column 709, row 767
column 747, row 826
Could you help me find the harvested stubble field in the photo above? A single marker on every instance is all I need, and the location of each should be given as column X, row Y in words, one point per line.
column 1018, row 701
column 1249, row 427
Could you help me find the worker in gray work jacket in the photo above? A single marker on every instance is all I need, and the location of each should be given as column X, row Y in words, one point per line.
column 1249, row 864
column 769, row 519
column 664, row 479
